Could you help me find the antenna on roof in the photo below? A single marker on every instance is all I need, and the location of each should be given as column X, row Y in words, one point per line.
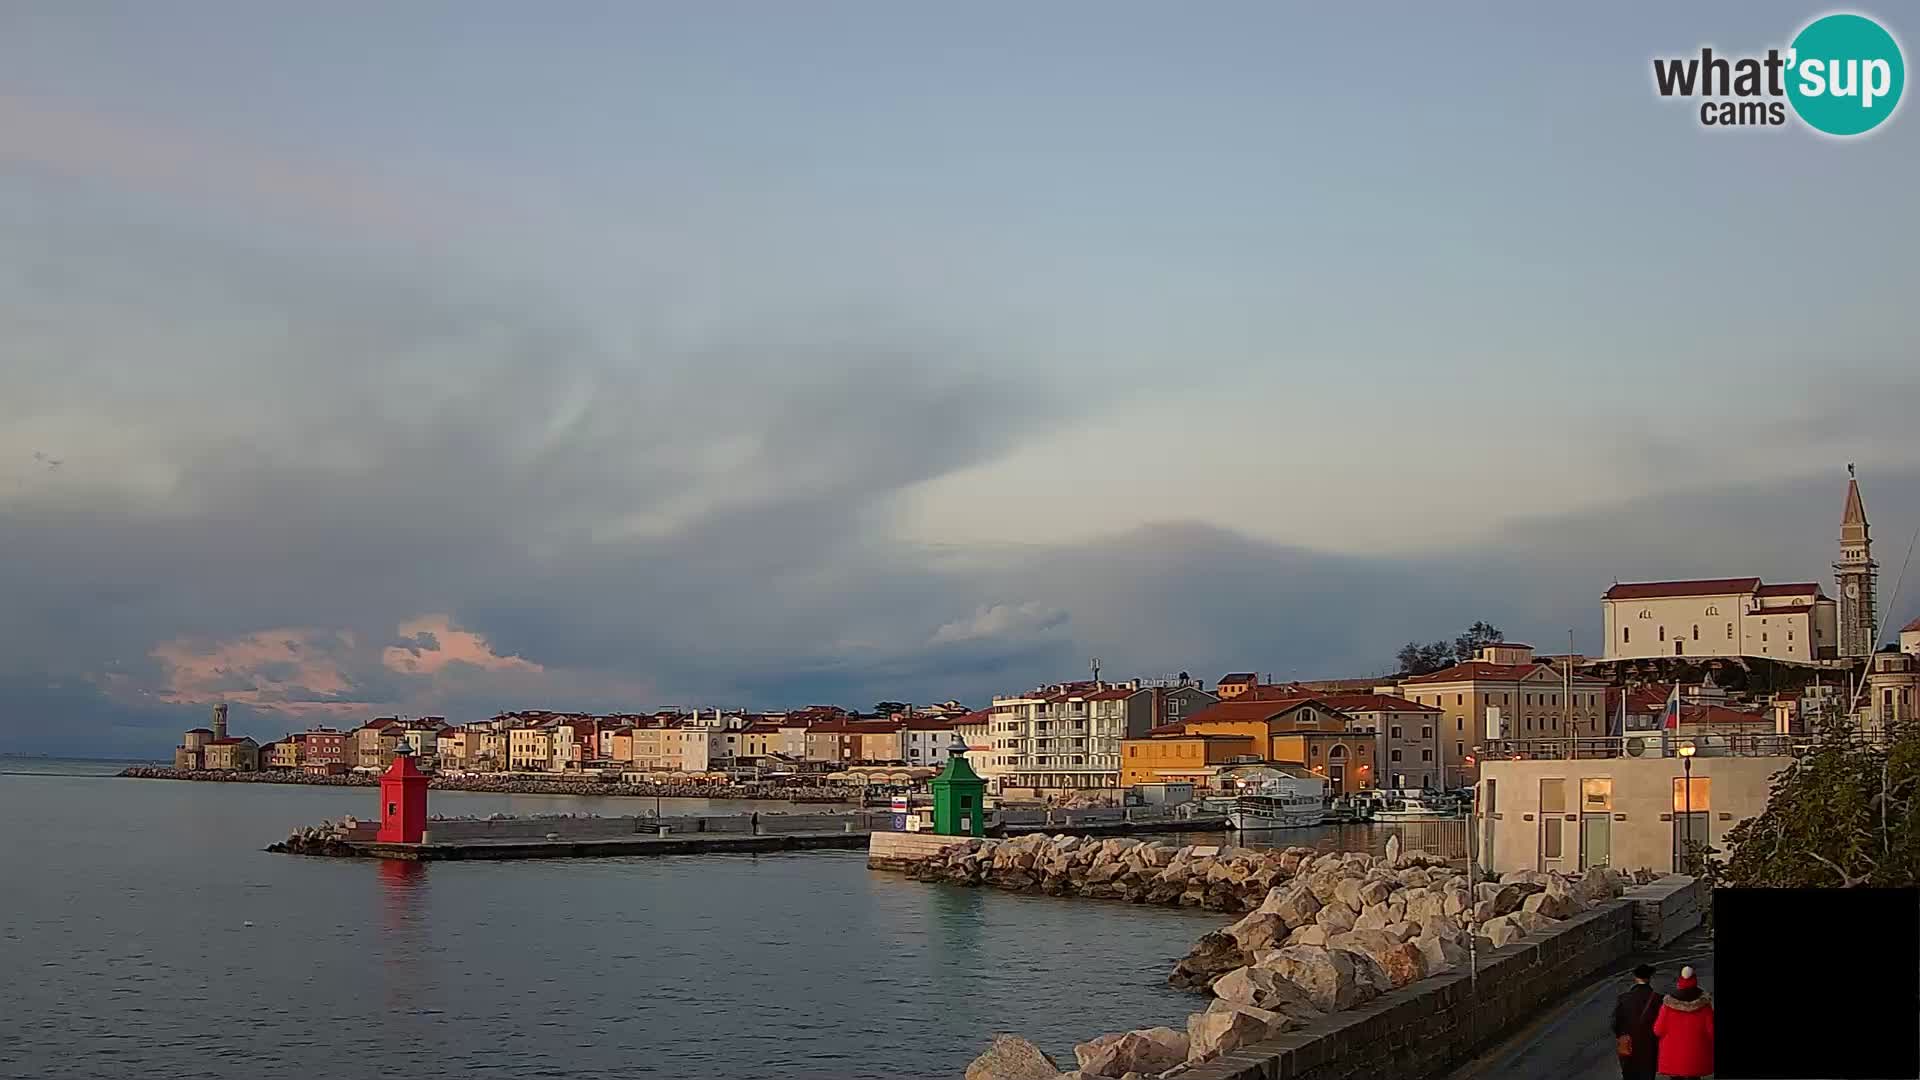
column 1096, row 673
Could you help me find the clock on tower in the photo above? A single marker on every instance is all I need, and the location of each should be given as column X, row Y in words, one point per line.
column 1854, row 573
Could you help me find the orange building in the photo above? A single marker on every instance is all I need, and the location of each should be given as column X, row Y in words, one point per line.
column 1303, row 731
column 1172, row 756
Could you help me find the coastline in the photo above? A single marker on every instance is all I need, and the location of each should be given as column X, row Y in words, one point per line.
column 505, row 786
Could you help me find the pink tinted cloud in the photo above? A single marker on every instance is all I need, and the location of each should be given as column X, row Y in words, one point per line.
column 448, row 645
column 292, row 669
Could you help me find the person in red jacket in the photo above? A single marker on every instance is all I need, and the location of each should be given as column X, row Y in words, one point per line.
column 1684, row 1029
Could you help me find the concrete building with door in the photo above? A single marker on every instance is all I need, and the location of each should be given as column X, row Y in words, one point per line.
column 1892, row 693
column 240, row 754
column 1406, row 737
column 1503, row 693
column 1567, row 814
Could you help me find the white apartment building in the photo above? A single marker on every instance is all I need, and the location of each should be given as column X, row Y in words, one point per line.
column 1720, row 617
column 1058, row 739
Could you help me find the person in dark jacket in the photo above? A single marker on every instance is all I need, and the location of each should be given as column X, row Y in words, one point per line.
column 1685, row 1029
column 1633, row 1016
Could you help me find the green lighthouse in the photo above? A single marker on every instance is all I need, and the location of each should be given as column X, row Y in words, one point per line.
column 959, row 796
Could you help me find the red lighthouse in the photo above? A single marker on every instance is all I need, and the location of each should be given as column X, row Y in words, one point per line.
column 403, row 800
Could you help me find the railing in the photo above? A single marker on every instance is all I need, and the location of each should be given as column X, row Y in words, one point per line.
column 1643, row 744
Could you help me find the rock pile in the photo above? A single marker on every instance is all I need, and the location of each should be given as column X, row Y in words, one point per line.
column 1224, row 879
column 1328, row 932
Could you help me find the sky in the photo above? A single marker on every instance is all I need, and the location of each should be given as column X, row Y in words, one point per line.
column 442, row 358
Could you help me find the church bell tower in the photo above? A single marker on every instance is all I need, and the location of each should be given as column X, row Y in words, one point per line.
column 1854, row 574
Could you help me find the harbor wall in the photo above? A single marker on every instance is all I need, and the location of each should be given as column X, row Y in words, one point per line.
column 1436, row 1024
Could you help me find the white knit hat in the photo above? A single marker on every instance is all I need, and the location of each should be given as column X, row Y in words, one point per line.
column 1686, row 973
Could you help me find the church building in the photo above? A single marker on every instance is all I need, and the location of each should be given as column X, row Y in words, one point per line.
column 1746, row 617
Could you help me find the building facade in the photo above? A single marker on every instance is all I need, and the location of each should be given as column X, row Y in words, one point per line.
column 1406, row 737
column 1720, row 617
column 1892, row 693
column 324, row 750
column 1059, row 739
column 240, row 754
column 1503, row 693
column 926, row 740
column 1625, row 812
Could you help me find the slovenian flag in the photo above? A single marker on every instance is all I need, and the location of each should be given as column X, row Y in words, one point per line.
column 1672, row 720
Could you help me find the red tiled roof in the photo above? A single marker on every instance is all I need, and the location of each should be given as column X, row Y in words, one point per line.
column 1375, row 703
column 1651, row 590
column 1911, row 627
column 1791, row 589
column 1241, row 709
column 978, row 716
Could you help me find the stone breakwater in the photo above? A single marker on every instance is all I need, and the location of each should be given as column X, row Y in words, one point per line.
column 500, row 785
column 1327, row 933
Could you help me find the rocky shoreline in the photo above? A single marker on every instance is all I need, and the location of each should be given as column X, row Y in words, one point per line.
column 1322, row 933
column 508, row 786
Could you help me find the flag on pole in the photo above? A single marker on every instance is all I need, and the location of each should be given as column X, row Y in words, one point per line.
column 1672, row 720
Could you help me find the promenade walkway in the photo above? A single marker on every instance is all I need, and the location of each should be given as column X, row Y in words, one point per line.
column 1574, row 1041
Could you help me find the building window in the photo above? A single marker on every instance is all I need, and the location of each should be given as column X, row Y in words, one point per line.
column 1426, row 731
column 1596, row 795
column 1763, row 635
column 1393, row 754
column 1459, row 699
column 1696, row 631
column 1459, row 723
column 1553, row 803
column 1426, row 755
column 1396, row 731
column 1729, row 631
column 1626, row 634
column 1460, row 750
column 1663, row 633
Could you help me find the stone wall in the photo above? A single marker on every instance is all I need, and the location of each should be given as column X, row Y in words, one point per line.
column 1435, row 1024
column 1666, row 908
column 897, row 850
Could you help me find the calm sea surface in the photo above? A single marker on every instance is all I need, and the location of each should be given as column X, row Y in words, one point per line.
column 144, row 933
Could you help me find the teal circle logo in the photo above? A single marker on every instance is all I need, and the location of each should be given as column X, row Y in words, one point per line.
column 1845, row 74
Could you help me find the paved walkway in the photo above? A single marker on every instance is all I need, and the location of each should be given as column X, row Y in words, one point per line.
column 1574, row 1040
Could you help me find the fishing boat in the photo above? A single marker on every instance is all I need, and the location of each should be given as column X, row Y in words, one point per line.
column 1284, row 802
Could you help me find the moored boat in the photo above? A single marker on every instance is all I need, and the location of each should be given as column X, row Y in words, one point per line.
column 1285, row 802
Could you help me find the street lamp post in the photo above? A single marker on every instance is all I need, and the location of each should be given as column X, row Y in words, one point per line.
column 1686, row 826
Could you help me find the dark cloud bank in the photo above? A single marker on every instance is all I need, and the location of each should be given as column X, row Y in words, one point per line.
column 695, row 525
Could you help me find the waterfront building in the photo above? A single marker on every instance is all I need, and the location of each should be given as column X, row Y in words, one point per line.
column 450, row 748
column 1503, row 692
column 1892, row 692
column 1406, row 737
column 1172, row 756
column 1720, row 617
column 1855, row 574
column 323, row 750
column 1066, row 738
column 240, row 754
column 927, row 740
column 529, row 749
column 1304, row 732
column 1540, row 808
column 1910, row 638
column 375, row 741
column 191, row 753
column 280, row 754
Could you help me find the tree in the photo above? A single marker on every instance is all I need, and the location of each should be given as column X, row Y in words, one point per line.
column 1478, row 636
column 888, row 708
column 1418, row 659
column 1843, row 814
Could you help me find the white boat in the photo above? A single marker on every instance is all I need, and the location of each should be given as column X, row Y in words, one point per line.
column 1414, row 806
column 1285, row 802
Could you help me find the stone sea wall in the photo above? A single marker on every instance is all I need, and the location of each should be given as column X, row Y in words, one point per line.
column 508, row 785
column 1324, row 934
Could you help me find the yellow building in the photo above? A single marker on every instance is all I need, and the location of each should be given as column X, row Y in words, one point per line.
column 450, row 748
column 529, row 749
column 1174, row 757
column 281, row 754
column 1303, row 731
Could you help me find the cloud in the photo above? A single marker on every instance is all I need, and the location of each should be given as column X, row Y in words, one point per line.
column 435, row 643
column 1001, row 621
column 293, row 670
